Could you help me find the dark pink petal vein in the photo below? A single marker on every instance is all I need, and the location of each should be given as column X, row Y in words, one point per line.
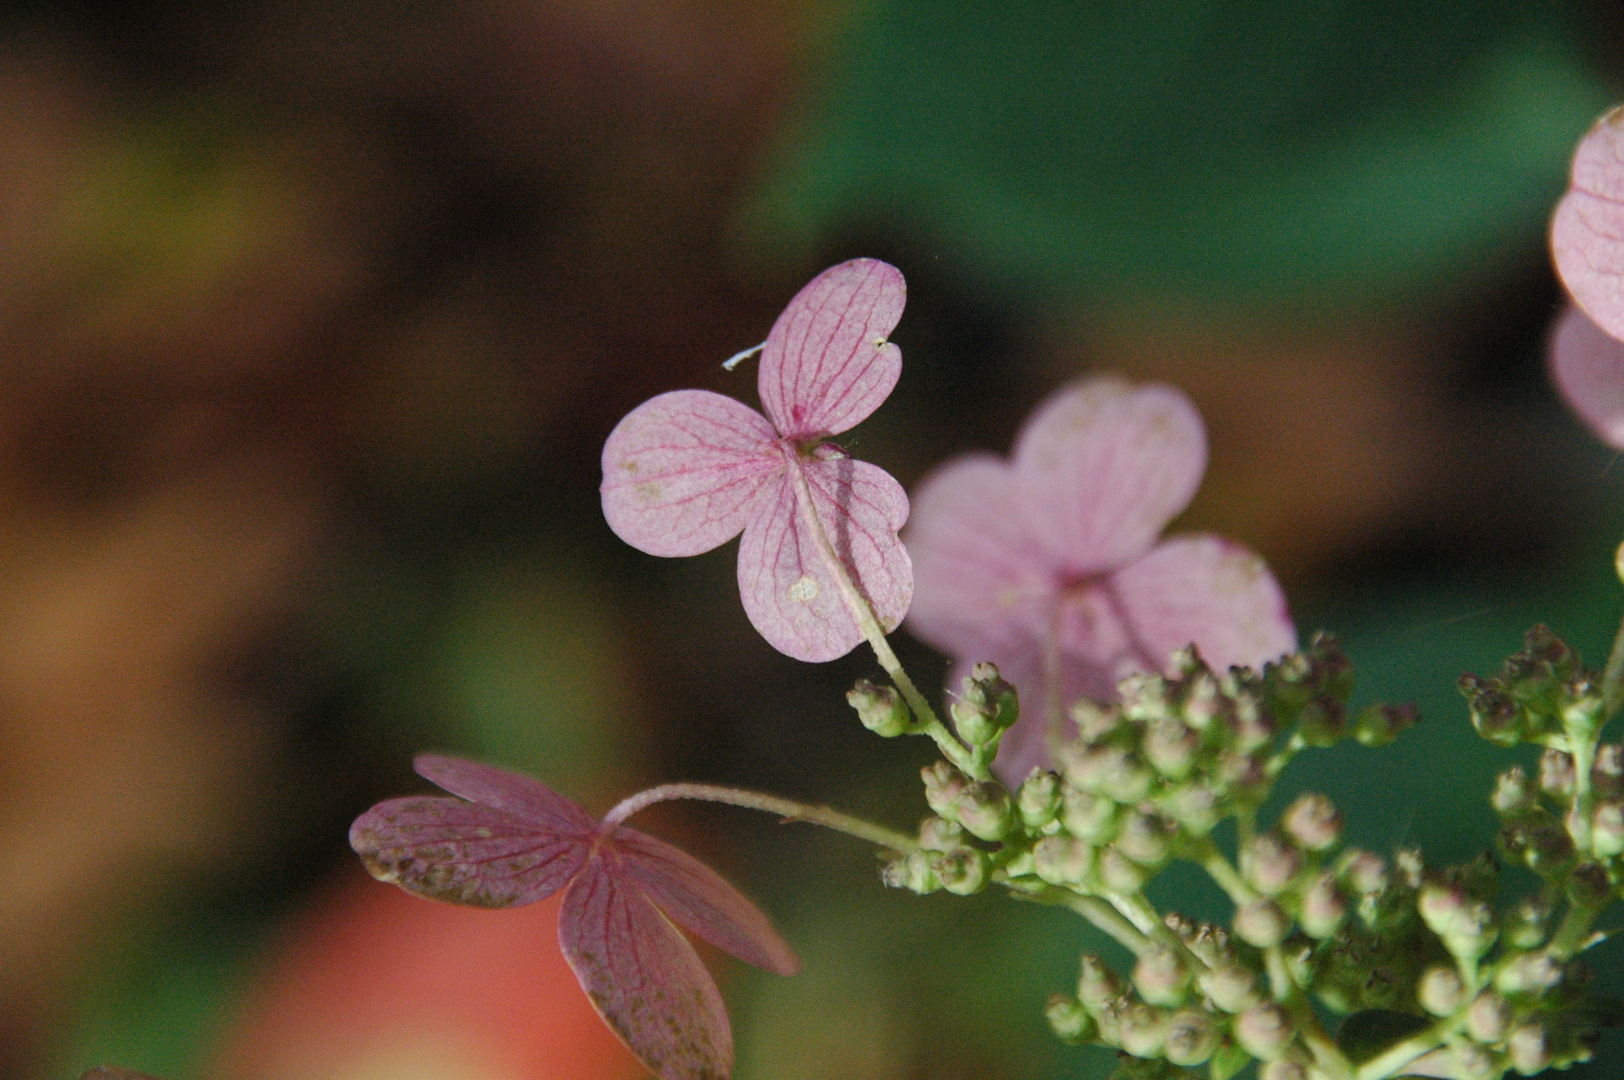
column 643, row 977
column 682, row 472
column 827, row 364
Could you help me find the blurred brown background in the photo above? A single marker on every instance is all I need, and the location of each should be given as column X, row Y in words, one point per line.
column 315, row 317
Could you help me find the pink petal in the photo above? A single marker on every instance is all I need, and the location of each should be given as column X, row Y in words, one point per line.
column 1102, row 466
column 1587, row 231
column 643, row 977
column 979, row 576
column 1587, row 365
column 464, row 852
column 525, row 798
column 696, row 898
column 683, row 471
column 827, row 364
column 788, row 592
column 1208, row 591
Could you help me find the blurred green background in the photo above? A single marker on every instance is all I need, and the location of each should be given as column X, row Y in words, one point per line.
column 316, row 316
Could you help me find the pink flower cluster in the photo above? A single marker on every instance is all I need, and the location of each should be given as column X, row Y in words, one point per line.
column 1587, row 243
column 1049, row 564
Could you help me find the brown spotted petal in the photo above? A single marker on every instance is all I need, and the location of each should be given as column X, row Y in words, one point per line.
column 465, row 852
column 643, row 977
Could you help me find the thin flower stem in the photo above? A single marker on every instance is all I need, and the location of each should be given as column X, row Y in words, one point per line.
column 1392, row 1060
column 1096, row 911
column 787, row 809
column 1327, row 1055
column 1228, row 878
column 874, row 634
column 1570, row 938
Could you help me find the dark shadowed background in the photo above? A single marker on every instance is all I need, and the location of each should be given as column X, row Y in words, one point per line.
column 315, row 317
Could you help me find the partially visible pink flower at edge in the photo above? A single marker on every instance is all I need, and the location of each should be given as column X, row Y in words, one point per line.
column 689, row 470
column 1587, row 244
column 1051, row 560
column 1587, row 365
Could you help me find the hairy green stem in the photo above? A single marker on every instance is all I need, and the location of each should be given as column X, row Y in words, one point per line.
column 1612, row 679
column 929, row 724
column 787, row 809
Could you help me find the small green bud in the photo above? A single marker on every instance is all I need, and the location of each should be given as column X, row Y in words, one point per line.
column 1038, row 799
column 963, row 871
column 1282, row 1070
column 1191, row 1038
column 1144, row 838
column 943, row 786
column 1465, row 926
column 1588, row 885
column 1261, row 923
column 1468, row 1062
column 1323, row 721
column 1528, row 1049
column 1062, row 860
column 1119, row 872
column 986, row 707
column 1069, row 1020
column 1097, row 984
column 1253, row 731
column 1265, row 1031
column 1528, row 924
column 1409, row 868
column 1094, row 721
column 1607, row 829
column 911, row 872
column 1607, row 774
column 1111, row 771
column 880, row 708
column 1556, row 774
column 1145, row 698
column 1171, row 748
column 1161, row 976
column 939, row 834
column 1583, row 709
column 1240, row 774
column 1324, row 909
column 1313, row 821
column 1514, row 794
column 1194, row 806
column 1440, row 990
column 1269, row 864
column 1531, row 973
column 1495, row 715
column 1143, row 1030
column 1202, row 702
column 1231, row 987
column 1378, row 725
column 985, row 810
column 1488, row 1018
column 1086, row 816
column 1365, row 873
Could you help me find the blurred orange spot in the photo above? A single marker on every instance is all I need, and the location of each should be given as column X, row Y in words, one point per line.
column 376, row 984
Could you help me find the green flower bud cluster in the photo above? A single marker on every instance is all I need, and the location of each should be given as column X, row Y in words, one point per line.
column 1479, row 988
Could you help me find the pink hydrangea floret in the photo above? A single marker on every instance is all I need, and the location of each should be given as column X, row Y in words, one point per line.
column 1049, row 564
column 689, row 470
column 509, row 840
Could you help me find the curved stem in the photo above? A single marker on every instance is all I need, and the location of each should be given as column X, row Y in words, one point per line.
column 874, row 634
column 787, row 809
column 1096, row 911
column 1221, row 871
column 1390, row 1061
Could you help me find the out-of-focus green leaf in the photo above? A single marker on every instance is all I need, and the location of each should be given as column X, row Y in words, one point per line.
column 1215, row 150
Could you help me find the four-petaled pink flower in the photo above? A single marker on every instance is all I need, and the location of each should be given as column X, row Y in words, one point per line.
column 689, row 470
column 514, row 841
column 1049, row 566
column 1587, row 243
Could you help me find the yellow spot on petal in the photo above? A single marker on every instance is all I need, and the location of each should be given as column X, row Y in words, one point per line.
column 804, row 590
column 648, row 492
